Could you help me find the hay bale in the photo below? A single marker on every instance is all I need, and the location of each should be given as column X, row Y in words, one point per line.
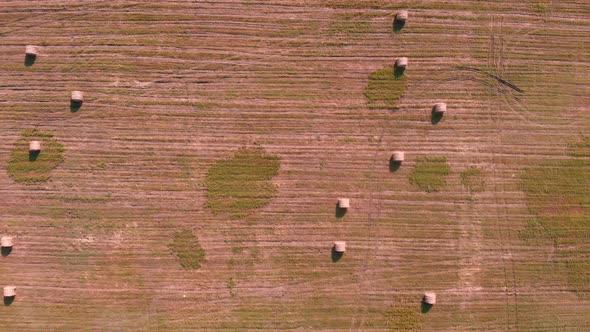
column 439, row 108
column 339, row 246
column 401, row 62
column 398, row 156
column 31, row 51
column 9, row 291
column 77, row 97
column 401, row 16
column 344, row 203
column 34, row 146
column 429, row 298
column 6, row 242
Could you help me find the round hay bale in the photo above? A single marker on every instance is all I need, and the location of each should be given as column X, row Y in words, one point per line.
column 439, row 108
column 401, row 62
column 34, row 146
column 6, row 242
column 9, row 291
column 77, row 96
column 339, row 246
column 344, row 203
column 430, row 298
column 401, row 16
column 398, row 156
column 31, row 50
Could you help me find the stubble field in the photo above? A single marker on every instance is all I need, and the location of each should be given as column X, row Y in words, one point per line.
column 197, row 184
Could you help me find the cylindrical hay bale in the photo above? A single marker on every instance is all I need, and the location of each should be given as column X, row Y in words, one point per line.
column 77, row 96
column 398, row 156
column 30, row 50
column 34, row 146
column 439, row 108
column 339, row 246
column 401, row 16
column 9, row 291
column 430, row 298
column 6, row 241
column 344, row 203
column 401, row 62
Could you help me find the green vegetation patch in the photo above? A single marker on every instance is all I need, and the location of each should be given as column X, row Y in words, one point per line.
column 430, row 173
column 242, row 184
column 24, row 168
column 187, row 248
column 472, row 179
column 540, row 6
column 385, row 88
column 558, row 194
column 404, row 315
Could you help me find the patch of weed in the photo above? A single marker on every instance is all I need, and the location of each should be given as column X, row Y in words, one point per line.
column 472, row 179
column 24, row 170
column 231, row 285
column 187, row 248
column 384, row 89
column 558, row 194
column 404, row 315
column 430, row 173
column 540, row 6
column 242, row 184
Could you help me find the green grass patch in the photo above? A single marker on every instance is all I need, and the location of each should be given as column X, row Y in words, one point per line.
column 188, row 250
column 558, row 194
column 430, row 173
column 580, row 148
column 540, row 6
column 241, row 184
column 472, row 179
column 385, row 89
column 404, row 315
column 23, row 170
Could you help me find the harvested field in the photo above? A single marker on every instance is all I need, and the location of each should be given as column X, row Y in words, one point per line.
column 174, row 90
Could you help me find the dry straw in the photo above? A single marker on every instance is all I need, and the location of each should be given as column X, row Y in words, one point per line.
column 401, row 16
column 339, row 246
column 6, row 241
column 430, row 298
column 344, row 203
column 34, row 146
column 439, row 108
column 31, row 50
column 401, row 62
column 77, row 96
column 9, row 291
column 398, row 156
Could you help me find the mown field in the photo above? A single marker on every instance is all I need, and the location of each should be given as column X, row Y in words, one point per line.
column 196, row 187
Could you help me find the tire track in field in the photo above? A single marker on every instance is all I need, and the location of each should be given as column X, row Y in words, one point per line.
column 503, row 227
column 372, row 216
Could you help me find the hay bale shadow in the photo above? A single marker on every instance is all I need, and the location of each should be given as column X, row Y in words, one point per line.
column 75, row 106
column 398, row 25
column 33, row 155
column 398, row 71
column 394, row 165
column 336, row 256
column 6, row 251
column 425, row 307
column 436, row 117
column 30, row 60
column 340, row 212
column 8, row 300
